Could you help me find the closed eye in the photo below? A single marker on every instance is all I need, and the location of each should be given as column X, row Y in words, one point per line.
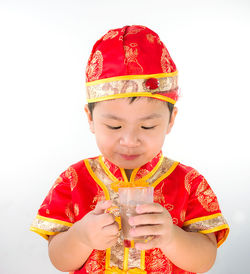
column 148, row 127
column 113, row 127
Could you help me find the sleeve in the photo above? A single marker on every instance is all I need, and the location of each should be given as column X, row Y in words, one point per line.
column 56, row 214
column 203, row 212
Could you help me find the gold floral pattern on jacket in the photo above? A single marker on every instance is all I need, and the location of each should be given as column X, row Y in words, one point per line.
column 205, row 224
column 206, row 196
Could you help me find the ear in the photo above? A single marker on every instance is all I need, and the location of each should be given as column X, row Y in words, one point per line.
column 172, row 119
column 90, row 118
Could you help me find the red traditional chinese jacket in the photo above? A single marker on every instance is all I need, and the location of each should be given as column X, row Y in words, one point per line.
column 179, row 188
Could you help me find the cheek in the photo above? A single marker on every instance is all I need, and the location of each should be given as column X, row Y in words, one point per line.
column 103, row 145
column 102, row 139
column 157, row 137
column 105, row 139
column 158, row 141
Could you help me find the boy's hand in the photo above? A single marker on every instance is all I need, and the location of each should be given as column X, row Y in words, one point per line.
column 154, row 220
column 97, row 229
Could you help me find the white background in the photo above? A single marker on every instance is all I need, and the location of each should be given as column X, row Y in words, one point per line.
column 44, row 48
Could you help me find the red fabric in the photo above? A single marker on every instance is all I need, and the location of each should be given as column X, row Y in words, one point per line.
column 72, row 197
column 76, row 193
column 131, row 50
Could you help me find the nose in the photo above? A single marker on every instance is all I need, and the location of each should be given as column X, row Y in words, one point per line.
column 130, row 139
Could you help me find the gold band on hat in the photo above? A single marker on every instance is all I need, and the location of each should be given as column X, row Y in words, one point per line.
column 132, row 86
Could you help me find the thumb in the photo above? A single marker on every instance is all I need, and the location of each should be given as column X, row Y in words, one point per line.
column 101, row 207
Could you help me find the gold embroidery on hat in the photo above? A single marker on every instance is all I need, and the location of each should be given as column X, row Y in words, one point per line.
column 129, row 86
column 135, row 86
column 131, row 54
column 132, row 77
column 95, row 66
column 151, row 38
column 134, row 30
column 110, row 35
column 165, row 61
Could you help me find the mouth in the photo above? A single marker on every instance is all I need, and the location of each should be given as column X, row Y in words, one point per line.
column 130, row 156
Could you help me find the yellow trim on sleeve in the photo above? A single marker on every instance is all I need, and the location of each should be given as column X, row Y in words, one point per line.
column 215, row 229
column 53, row 220
column 212, row 230
column 225, row 236
column 98, row 181
column 218, row 228
column 131, row 77
column 132, row 94
column 200, row 219
column 59, row 226
column 165, row 175
column 42, row 232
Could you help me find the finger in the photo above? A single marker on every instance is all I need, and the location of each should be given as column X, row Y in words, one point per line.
column 154, row 243
column 146, row 230
column 149, row 208
column 105, row 219
column 145, row 219
column 101, row 207
column 112, row 230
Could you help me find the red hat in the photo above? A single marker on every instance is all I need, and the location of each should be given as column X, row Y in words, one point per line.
column 130, row 62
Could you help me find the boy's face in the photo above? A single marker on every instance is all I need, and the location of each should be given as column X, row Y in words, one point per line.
column 130, row 134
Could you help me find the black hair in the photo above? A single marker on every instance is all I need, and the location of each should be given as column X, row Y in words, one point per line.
column 91, row 106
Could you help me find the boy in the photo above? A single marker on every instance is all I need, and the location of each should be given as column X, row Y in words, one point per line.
column 131, row 92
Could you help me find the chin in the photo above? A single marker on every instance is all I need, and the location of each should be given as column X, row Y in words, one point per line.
column 119, row 161
column 131, row 165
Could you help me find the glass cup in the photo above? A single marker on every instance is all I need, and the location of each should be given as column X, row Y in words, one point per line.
column 129, row 198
